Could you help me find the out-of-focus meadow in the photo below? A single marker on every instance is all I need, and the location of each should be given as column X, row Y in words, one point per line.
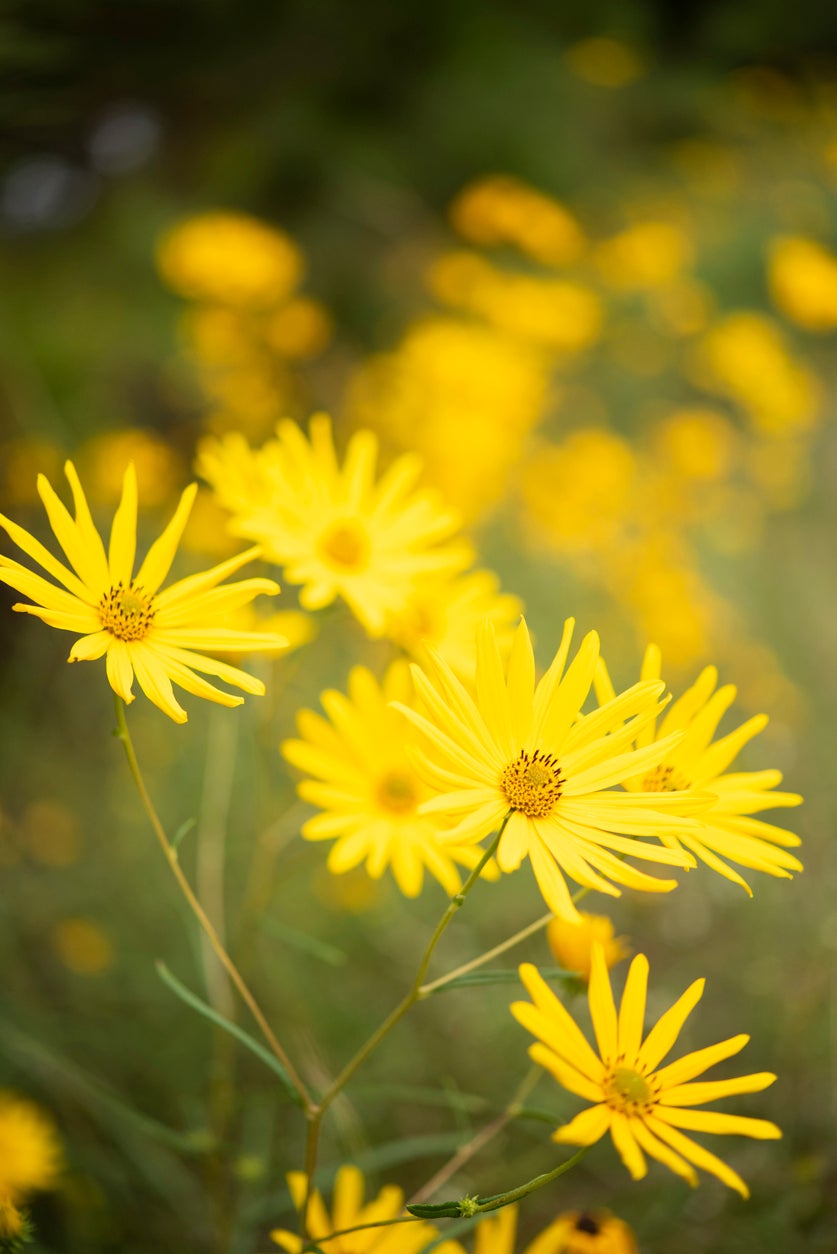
column 587, row 270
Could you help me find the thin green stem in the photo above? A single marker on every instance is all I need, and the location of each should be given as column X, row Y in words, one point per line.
column 500, row 1200
column 315, row 1115
column 197, row 909
column 468, row 1207
column 481, row 1138
column 522, row 935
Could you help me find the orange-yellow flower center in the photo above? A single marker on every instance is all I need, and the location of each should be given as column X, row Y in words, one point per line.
column 665, row 778
column 628, row 1091
column 345, row 544
column 126, row 613
column 396, row 792
column 532, row 783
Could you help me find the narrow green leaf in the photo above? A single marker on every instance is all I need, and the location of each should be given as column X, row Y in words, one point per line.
column 185, row 995
column 182, row 831
column 305, row 943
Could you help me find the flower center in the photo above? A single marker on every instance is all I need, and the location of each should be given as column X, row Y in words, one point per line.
column 665, row 779
column 396, row 792
column 126, row 613
column 532, row 784
column 586, row 1223
column 345, row 544
column 628, row 1091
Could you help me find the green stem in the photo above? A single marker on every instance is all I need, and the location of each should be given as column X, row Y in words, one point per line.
column 197, row 909
column 522, row 935
column 315, row 1114
column 470, row 1206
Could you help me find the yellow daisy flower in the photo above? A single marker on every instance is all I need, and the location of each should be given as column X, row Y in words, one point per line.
column 369, row 791
column 727, row 828
column 642, row 1105
column 30, row 1156
column 573, row 1232
column 523, row 751
column 350, row 1211
column 123, row 616
column 334, row 529
column 572, row 942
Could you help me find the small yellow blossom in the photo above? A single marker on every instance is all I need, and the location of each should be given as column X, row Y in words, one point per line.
column 803, row 282
column 572, row 942
column 30, row 1155
column 645, row 255
column 502, row 210
column 229, row 259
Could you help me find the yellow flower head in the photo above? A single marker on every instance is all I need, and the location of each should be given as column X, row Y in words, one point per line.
column 123, row 616
column 229, row 259
column 349, row 1210
column 572, row 942
column 641, row 1104
column 522, row 752
column 803, row 282
column 502, row 210
column 30, row 1153
column 368, row 789
column 335, row 529
column 726, row 827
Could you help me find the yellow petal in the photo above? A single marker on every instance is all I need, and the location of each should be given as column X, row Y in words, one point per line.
column 123, row 533
column 160, row 556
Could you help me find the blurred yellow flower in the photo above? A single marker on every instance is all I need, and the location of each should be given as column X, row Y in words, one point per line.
column 51, row 833
column 697, row 444
column 645, row 255
column 369, row 791
column 502, row 210
column 727, row 829
column 744, row 356
column 445, row 612
column 556, row 314
column 642, row 1105
column 124, row 617
column 803, row 282
column 334, row 529
column 572, row 941
column 578, row 496
column 300, row 329
column 573, row 1232
column 520, row 754
column 30, row 1156
column 102, row 461
column 604, row 61
column 229, row 259
column 349, row 1210
column 83, row 946
column 462, row 395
